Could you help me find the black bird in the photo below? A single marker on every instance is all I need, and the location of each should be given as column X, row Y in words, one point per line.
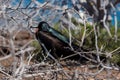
column 58, row 45
column 55, row 42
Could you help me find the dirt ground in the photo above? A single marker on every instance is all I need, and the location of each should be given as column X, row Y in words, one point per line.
column 67, row 71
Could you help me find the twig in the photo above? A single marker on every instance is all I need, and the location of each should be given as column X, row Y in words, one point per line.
column 40, row 73
column 115, row 19
column 108, row 67
column 19, row 4
column 17, row 53
column 104, row 21
column 96, row 43
column 1, row 71
column 114, row 50
column 84, row 34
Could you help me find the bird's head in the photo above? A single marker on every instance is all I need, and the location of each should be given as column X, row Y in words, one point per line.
column 42, row 26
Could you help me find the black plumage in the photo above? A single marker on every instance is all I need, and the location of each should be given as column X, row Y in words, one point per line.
column 58, row 45
column 55, row 42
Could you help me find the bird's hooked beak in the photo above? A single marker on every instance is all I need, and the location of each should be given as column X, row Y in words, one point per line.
column 34, row 29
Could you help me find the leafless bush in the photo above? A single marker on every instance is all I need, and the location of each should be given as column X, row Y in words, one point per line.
column 16, row 16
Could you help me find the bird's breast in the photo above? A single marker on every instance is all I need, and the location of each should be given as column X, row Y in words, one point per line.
column 50, row 41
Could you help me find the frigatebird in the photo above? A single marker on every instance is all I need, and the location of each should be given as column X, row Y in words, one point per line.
column 55, row 42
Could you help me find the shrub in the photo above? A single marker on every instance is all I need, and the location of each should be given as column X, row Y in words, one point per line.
column 38, row 51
